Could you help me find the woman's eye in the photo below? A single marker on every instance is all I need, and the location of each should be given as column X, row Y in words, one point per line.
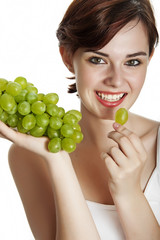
column 133, row 63
column 96, row 60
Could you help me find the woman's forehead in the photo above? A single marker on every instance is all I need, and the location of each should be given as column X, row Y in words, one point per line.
column 132, row 38
column 133, row 35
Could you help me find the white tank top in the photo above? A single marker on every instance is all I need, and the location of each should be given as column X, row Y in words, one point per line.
column 106, row 217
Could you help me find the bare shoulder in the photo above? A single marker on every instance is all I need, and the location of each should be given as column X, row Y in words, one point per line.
column 33, row 182
column 143, row 126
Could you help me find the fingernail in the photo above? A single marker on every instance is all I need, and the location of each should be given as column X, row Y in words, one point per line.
column 116, row 125
column 103, row 155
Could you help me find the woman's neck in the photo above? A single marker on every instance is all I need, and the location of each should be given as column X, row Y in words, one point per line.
column 95, row 130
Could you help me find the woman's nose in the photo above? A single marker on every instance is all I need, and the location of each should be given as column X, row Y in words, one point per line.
column 115, row 78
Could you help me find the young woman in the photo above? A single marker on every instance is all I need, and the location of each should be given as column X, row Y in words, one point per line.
column 109, row 187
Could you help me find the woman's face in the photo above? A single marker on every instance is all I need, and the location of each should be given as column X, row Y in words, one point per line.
column 113, row 76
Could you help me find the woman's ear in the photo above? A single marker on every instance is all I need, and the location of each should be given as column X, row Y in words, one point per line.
column 67, row 58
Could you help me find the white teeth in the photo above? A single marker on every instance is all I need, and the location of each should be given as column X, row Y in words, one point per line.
column 110, row 97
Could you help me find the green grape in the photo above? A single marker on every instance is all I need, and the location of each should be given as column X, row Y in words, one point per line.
column 61, row 112
column 121, row 116
column 1, row 110
column 42, row 120
column 70, row 119
column 14, row 110
column 20, row 128
column 24, row 108
column 38, row 131
column 38, row 107
column 54, row 145
column 12, row 120
column 32, row 88
column 52, row 133
column 68, row 145
column 76, row 127
column 40, row 96
column 21, row 96
column 13, row 88
column 76, row 113
column 31, row 97
column 4, row 116
column 77, row 136
column 52, row 109
column 22, row 81
column 50, row 98
column 19, row 115
column 3, row 84
column 55, row 123
column 67, row 130
column 7, row 102
column 30, row 84
column 29, row 122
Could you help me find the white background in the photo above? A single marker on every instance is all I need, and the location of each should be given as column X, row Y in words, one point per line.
column 29, row 48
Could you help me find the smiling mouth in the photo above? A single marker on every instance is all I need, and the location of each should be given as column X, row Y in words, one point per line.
column 111, row 97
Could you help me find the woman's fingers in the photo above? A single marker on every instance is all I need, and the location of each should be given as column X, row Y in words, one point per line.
column 128, row 141
column 13, row 135
column 118, row 156
column 123, row 142
column 37, row 145
column 6, row 132
column 110, row 164
column 129, row 150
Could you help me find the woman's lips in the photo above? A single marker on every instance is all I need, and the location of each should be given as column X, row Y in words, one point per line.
column 110, row 99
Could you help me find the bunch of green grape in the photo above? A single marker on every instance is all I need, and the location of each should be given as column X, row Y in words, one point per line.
column 24, row 109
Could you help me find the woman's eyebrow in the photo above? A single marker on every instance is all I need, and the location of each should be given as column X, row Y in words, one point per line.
column 98, row 53
column 141, row 53
column 136, row 54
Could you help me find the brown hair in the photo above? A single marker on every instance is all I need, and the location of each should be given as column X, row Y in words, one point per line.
column 93, row 23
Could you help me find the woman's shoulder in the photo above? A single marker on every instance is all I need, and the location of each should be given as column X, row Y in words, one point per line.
column 143, row 126
column 147, row 130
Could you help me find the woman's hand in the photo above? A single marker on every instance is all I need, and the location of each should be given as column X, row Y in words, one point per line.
column 125, row 162
column 34, row 144
column 69, row 200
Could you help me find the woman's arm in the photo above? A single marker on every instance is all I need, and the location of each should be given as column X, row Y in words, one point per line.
column 73, row 219
column 137, row 218
column 33, row 182
column 125, row 164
